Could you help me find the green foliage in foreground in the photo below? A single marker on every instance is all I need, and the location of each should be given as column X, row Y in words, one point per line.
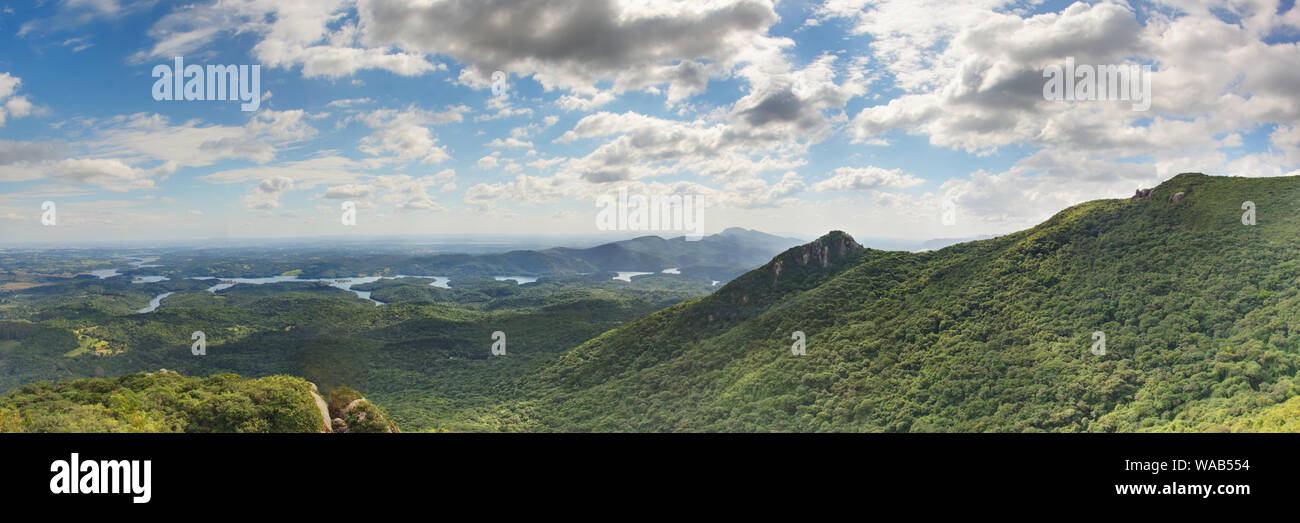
column 1284, row 417
column 1201, row 315
column 163, row 402
column 357, row 413
column 423, row 357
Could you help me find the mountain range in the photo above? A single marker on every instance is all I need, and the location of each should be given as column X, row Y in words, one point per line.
column 1199, row 311
column 1173, row 310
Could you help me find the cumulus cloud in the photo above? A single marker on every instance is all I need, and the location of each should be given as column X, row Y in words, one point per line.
column 11, row 104
column 669, row 47
column 644, row 146
column 266, row 195
column 407, row 135
column 786, row 110
column 293, row 34
column 1286, row 138
column 866, row 178
column 509, row 142
column 970, row 74
column 306, row 174
column 349, row 192
column 964, row 76
column 574, row 44
column 1042, row 184
column 412, row 194
column 756, row 193
column 132, row 152
column 194, row 144
column 591, row 50
column 524, row 189
column 22, row 161
column 108, row 173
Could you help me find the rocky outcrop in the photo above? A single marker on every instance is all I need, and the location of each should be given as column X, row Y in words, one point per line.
column 326, row 425
column 1178, row 197
column 797, row 268
column 821, row 253
column 1141, row 194
column 353, row 413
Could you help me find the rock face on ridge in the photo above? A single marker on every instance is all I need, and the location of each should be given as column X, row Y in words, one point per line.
column 821, row 253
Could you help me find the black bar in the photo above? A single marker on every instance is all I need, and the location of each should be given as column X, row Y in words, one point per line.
column 1014, row 471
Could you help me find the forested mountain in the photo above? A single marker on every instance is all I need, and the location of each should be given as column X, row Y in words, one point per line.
column 424, row 353
column 1192, row 284
column 734, row 247
column 719, row 256
column 1200, row 313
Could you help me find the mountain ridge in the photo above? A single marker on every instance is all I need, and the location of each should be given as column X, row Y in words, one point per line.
column 986, row 335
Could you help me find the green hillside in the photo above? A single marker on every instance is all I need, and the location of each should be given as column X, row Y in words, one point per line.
column 1198, row 311
column 424, row 356
column 163, row 402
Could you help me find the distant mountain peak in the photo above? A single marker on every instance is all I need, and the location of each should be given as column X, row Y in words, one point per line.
column 827, row 249
column 822, row 253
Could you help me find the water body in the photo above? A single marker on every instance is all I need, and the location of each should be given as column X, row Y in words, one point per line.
column 155, row 302
column 441, row 282
column 140, row 263
column 715, row 283
column 628, row 275
column 347, row 283
column 220, row 286
column 149, row 279
column 520, row 280
column 338, row 283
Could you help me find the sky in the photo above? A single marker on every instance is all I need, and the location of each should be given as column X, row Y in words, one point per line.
column 515, row 117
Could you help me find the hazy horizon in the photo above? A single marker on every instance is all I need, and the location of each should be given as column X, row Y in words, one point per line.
column 884, row 118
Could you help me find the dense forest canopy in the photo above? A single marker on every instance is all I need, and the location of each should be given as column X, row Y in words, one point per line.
column 1196, row 305
column 1198, row 309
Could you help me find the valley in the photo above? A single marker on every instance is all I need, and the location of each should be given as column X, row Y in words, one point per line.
column 416, row 344
column 1197, row 309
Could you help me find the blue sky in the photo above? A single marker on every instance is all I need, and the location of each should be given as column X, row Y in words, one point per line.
column 794, row 117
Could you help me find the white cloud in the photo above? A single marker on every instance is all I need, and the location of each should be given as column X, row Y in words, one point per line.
column 574, row 44
column 867, row 178
column 306, row 174
column 12, row 105
column 349, row 191
column 293, row 34
column 348, row 102
column 525, row 189
column 582, row 103
column 110, row 174
column 412, row 194
column 1287, row 139
column 509, row 142
column 266, row 195
column 22, row 161
column 406, row 134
